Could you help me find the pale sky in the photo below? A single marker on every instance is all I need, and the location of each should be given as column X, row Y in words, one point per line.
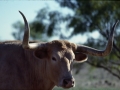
column 9, row 14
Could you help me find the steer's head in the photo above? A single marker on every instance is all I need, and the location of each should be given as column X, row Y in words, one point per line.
column 60, row 55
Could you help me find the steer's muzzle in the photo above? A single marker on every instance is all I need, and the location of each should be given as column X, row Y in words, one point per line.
column 67, row 83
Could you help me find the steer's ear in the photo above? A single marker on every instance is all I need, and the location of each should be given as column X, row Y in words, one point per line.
column 80, row 57
column 41, row 53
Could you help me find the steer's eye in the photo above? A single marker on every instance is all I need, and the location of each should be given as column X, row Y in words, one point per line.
column 53, row 58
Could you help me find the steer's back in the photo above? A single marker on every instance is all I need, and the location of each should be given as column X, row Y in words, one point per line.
column 13, row 66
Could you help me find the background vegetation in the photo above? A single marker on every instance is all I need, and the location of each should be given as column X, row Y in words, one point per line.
column 89, row 16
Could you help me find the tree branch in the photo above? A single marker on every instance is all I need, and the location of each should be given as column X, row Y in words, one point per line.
column 104, row 67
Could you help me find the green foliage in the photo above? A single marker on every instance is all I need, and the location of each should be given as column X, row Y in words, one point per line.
column 36, row 29
column 91, row 15
column 88, row 16
column 19, row 27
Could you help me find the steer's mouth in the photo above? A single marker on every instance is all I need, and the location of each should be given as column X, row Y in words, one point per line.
column 67, row 83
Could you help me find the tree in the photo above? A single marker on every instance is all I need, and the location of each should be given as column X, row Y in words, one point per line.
column 88, row 16
column 92, row 15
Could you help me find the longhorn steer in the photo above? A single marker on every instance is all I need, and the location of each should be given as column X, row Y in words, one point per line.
column 42, row 65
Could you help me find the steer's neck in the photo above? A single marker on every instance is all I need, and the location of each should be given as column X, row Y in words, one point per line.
column 38, row 76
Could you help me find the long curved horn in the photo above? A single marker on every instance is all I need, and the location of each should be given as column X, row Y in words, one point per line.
column 95, row 52
column 25, row 43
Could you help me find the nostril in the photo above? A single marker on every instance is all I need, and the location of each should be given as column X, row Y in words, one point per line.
column 73, row 82
column 65, row 81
